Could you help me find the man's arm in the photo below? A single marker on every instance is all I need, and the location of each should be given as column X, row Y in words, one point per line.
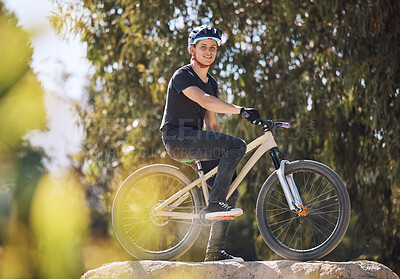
column 211, row 121
column 210, row 102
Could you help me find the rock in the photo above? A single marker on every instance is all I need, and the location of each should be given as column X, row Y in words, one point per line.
column 245, row 270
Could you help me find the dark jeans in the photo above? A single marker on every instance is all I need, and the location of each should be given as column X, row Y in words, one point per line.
column 211, row 148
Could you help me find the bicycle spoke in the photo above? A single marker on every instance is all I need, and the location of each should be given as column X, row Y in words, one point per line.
column 284, row 205
column 312, row 185
column 142, row 232
column 166, row 187
column 148, row 237
column 135, row 225
column 278, row 214
column 310, row 204
column 173, row 190
column 330, row 222
column 281, row 221
column 324, row 207
column 288, row 223
column 322, row 194
column 294, row 235
column 317, row 226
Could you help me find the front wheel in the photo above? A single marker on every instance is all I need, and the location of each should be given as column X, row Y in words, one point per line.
column 147, row 236
column 312, row 234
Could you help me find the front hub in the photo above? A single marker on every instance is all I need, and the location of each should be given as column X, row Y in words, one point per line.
column 303, row 210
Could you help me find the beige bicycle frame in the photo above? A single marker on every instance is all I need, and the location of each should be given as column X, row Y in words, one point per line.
column 264, row 143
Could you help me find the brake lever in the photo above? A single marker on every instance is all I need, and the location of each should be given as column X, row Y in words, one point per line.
column 269, row 124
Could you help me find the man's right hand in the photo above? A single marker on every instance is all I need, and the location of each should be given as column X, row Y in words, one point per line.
column 251, row 114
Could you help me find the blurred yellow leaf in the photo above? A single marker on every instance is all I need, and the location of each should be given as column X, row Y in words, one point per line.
column 22, row 109
column 141, row 68
column 15, row 54
column 59, row 218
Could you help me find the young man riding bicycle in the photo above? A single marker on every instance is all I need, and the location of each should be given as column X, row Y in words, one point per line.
column 191, row 132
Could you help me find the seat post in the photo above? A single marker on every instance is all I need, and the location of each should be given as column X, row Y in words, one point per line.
column 204, row 186
column 199, row 166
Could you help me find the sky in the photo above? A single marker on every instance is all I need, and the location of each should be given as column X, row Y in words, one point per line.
column 52, row 59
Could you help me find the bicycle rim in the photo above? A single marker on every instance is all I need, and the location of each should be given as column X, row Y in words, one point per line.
column 137, row 227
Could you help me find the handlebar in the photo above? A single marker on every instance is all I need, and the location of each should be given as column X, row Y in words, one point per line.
column 269, row 124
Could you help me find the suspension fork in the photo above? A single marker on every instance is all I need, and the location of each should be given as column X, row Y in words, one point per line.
column 289, row 187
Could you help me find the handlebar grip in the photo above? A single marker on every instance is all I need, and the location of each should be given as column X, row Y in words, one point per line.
column 246, row 114
column 271, row 124
column 285, row 125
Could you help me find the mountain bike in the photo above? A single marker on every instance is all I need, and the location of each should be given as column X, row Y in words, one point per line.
column 302, row 210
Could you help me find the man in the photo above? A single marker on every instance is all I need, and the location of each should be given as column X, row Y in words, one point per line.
column 191, row 131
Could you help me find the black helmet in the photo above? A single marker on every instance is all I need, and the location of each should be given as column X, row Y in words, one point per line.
column 204, row 32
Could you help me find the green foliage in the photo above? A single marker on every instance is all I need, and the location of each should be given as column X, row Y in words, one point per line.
column 331, row 68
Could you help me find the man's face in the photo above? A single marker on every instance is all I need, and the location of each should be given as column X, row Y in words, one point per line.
column 206, row 51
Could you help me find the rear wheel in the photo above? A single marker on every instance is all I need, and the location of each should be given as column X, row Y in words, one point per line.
column 322, row 224
column 144, row 235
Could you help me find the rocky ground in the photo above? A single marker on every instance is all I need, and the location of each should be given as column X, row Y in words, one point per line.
column 245, row 270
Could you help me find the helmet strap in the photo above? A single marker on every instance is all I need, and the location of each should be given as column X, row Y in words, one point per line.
column 197, row 61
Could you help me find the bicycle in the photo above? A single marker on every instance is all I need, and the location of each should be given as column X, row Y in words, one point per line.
column 302, row 210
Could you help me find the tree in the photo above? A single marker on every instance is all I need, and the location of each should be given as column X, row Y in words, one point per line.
column 331, row 68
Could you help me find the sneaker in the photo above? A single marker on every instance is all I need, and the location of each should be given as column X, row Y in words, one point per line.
column 221, row 256
column 216, row 210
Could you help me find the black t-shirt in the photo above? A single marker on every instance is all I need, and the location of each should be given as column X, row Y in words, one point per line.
column 179, row 110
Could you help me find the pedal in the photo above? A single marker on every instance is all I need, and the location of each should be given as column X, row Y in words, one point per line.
column 223, row 218
column 216, row 216
column 206, row 221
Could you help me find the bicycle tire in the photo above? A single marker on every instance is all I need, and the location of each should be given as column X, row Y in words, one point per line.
column 140, row 233
column 315, row 235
